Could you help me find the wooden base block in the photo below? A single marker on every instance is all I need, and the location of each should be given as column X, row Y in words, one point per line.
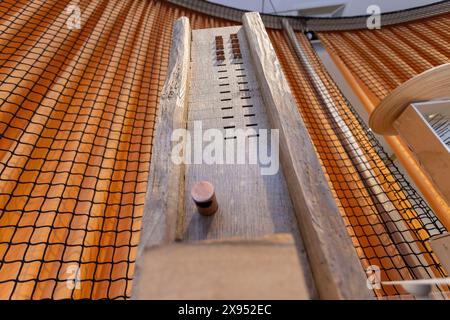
column 265, row 268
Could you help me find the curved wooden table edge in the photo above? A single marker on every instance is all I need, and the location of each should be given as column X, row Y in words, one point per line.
column 429, row 85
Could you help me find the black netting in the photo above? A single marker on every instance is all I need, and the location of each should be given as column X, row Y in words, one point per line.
column 77, row 109
column 388, row 220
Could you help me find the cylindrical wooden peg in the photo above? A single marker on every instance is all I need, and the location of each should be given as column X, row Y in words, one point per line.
column 204, row 198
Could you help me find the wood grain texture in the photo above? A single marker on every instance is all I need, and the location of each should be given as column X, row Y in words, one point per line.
column 431, row 154
column 429, row 85
column 163, row 204
column 263, row 268
column 336, row 267
column 250, row 204
column 163, row 201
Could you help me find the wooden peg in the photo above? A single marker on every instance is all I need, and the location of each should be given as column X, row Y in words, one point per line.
column 204, row 198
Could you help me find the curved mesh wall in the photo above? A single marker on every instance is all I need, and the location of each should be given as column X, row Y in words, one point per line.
column 385, row 58
column 390, row 232
column 77, row 110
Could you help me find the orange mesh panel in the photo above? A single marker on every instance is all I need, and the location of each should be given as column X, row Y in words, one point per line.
column 77, row 110
column 383, row 59
column 362, row 214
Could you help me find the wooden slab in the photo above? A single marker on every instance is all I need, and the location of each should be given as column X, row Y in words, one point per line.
column 429, row 85
column 250, row 204
column 163, row 202
column 266, row 268
column 336, row 268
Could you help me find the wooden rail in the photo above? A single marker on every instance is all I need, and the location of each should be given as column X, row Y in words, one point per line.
column 336, row 268
column 164, row 198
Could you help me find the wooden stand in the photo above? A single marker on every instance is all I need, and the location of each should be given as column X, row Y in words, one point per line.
column 403, row 113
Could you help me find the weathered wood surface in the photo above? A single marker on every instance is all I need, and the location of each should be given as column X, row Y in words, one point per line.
column 163, row 201
column 336, row 268
column 250, row 204
column 431, row 154
column 265, row 268
column 429, row 85
column 441, row 247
